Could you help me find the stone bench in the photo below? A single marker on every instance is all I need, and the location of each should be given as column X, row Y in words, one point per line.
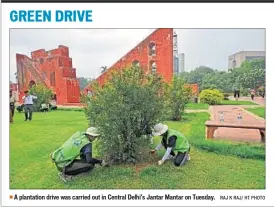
column 211, row 126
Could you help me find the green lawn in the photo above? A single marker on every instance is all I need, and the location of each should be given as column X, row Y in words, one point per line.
column 260, row 111
column 193, row 127
column 197, row 106
column 233, row 102
column 31, row 168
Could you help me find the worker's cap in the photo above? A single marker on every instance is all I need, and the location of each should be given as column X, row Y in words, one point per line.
column 159, row 129
column 92, row 131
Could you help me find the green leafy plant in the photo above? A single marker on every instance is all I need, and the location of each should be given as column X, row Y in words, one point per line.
column 124, row 110
column 226, row 95
column 43, row 94
column 251, row 74
column 211, row 97
column 244, row 92
column 178, row 96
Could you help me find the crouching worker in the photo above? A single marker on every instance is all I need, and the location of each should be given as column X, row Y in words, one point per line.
column 78, row 145
column 174, row 142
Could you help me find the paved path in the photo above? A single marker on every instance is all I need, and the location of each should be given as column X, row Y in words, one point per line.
column 230, row 115
column 258, row 100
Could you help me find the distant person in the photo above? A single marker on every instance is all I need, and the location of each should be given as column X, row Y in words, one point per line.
column 262, row 91
column 79, row 144
column 12, row 106
column 174, row 142
column 44, row 107
column 236, row 89
column 252, row 92
column 28, row 105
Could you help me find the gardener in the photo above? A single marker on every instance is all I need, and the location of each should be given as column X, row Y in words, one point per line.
column 173, row 141
column 79, row 144
column 28, row 105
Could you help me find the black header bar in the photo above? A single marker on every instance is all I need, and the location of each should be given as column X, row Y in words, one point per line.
column 136, row 1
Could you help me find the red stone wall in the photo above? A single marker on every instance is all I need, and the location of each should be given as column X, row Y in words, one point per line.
column 163, row 39
column 55, row 68
column 194, row 87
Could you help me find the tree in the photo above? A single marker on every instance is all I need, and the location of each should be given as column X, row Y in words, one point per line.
column 254, row 64
column 217, row 80
column 197, row 75
column 252, row 73
column 125, row 110
column 104, row 69
column 253, row 78
column 178, row 96
column 43, row 94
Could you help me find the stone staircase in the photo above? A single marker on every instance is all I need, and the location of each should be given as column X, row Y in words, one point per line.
column 31, row 66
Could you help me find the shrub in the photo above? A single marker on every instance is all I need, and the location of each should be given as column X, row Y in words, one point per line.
column 70, row 109
column 244, row 92
column 125, row 110
column 226, row 95
column 211, row 97
column 43, row 94
column 261, row 89
column 178, row 96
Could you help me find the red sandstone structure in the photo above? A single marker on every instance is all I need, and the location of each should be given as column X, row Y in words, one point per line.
column 53, row 69
column 154, row 54
column 195, row 89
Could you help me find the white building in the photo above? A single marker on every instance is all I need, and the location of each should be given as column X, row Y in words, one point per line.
column 182, row 62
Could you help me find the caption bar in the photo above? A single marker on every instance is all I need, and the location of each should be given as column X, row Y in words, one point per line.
column 135, row 197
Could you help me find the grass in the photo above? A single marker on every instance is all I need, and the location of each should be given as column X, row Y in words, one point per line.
column 203, row 106
column 70, row 109
column 193, row 127
column 31, row 168
column 233, row 102
column 194, row 106
column 259, row 111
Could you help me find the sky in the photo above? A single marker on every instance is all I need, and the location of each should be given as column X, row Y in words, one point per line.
column 92, row 48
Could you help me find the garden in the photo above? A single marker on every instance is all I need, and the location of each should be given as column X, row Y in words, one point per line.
column 31, row 166
column 124, row 111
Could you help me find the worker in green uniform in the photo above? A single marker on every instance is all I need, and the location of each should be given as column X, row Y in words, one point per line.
column 78, row 145
column 174, row 142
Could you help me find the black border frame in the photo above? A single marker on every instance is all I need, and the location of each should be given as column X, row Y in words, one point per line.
column 137, row 1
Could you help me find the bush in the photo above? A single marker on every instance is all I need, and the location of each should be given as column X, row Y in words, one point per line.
column 211, row 97
column 125, row 110
column 43, row 94
column 70, row 109
column 244, row 92
column 226, row 95
column 178, row 96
